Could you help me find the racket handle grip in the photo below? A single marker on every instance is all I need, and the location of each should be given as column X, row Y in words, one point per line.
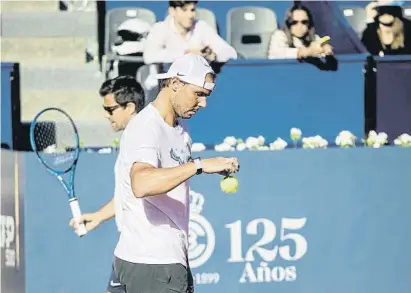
column 75, row 210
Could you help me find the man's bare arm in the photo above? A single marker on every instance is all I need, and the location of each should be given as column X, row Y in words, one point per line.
column 107, row 211
column 149, row 181
column 93, row 220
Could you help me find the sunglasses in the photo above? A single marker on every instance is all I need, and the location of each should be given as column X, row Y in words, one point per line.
column 111, row 109
column 304, row 22
column 389, row 24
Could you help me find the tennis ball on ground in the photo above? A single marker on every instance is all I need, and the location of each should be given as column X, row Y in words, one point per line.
column 229, row 184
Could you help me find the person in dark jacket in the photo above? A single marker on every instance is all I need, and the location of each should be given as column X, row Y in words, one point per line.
column 389, row 34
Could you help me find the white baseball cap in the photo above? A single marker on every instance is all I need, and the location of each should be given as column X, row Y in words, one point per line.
column 190, row 68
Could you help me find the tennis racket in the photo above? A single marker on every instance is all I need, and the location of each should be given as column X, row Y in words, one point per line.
column 55, row 140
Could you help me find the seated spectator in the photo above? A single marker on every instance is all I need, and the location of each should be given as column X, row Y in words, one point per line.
column 389, row 33
column 180, row 33
column 297, row 39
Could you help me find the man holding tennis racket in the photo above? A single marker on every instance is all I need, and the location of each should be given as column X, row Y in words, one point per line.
column 123, row 99
column 153, row 168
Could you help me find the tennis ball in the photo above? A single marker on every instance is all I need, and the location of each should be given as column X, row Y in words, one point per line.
column 229, row 184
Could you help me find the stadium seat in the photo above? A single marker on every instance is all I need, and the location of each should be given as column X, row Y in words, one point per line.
column 249, row 30
column 407, row 10
column 207, row 16
column 356, row 17
column 114, row 18
column 148, row 82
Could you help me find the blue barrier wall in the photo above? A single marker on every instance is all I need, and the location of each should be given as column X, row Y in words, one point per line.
column 302, row 221
column 268, row 97
column 393, row 95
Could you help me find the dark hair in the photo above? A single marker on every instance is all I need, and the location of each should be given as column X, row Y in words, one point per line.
column 164, row 83
column 126, row 89
column 175, row 4
column 310, row 37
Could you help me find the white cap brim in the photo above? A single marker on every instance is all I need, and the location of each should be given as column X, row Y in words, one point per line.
column 162, row 76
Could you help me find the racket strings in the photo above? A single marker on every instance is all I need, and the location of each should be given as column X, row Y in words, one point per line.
column 56, row 140
column 44, row 134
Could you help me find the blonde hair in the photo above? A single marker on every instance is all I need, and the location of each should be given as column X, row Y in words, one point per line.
column 398, row 31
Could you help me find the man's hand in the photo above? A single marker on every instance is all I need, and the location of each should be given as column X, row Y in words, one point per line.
column 92, row 221
column 208, row 54
column 210, row 57
column 220, row 165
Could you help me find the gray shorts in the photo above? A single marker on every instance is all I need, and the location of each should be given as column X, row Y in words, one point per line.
column 114, row 285
column 153, row 278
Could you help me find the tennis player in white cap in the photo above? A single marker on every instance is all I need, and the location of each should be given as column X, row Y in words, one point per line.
column 154, row 165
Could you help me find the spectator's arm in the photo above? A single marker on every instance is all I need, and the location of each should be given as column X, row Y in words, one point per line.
column 220, row 47
column 155, row 50
column 279, row 48
column 371, row 12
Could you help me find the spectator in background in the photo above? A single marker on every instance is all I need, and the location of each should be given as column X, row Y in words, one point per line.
column 371, row 8
column 389, row 33
column 180, row 33
column 297, row 39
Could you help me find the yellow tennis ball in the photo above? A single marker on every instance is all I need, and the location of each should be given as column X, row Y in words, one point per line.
column 229, row 184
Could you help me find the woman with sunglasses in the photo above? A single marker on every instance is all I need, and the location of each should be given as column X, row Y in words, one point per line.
column 297, row 39
column 389, row 34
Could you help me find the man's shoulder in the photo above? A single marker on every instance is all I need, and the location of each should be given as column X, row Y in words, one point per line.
column 160, row 26
column 144, row 121
column 202, row 25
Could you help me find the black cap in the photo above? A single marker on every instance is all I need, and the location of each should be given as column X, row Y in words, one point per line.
column 393, row 10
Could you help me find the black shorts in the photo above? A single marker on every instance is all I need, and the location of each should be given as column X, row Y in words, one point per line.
column 154, row 278
column 114, row 285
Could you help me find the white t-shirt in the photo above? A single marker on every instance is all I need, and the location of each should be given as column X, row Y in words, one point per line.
column 154, row 230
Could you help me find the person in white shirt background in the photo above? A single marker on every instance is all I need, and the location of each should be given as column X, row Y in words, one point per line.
column 123, row 97
column 181, row 33
column 153, row 168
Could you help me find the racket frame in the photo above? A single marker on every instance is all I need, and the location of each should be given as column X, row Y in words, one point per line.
column 69, row 188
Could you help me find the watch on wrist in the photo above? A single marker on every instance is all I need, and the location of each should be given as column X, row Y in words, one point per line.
column 199, row 166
